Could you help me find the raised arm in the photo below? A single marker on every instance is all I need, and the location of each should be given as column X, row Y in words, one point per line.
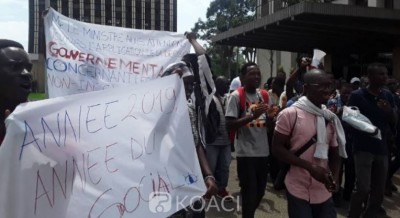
column 294, row 77
column 196, row 45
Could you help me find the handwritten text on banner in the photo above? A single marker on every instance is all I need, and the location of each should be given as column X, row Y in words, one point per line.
column 100, row 154
column 83, row 57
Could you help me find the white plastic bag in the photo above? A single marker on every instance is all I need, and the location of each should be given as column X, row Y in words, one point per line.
column 354, row 118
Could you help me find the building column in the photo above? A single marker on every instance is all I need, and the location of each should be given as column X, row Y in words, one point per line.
column 263, row 62
column 396, row 62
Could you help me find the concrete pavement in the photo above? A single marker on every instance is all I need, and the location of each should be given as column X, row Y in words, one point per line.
column 274, row 202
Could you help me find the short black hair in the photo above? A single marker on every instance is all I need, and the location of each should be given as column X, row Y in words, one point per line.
column 5, row 43
column 243, row 69
column 269, row 81
column 279, row 81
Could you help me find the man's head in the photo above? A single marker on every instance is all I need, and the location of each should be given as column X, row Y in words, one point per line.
column 318, row 86
column 268, row 84
column 356, row 82
column 377, row 74
column 221, row 85
column 15, row 66
column 250, row 75
column 278, row 85
column 345, row 92
column 364, row 82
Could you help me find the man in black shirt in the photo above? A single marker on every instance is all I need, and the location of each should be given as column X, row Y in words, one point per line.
column 371, row 154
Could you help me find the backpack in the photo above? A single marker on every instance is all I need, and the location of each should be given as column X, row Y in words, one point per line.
column 242, row 108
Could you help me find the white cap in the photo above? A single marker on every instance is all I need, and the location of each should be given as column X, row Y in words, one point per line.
column 355, row 79
column 235, row 84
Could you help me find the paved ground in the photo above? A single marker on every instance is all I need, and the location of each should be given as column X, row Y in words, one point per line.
column 274, row 202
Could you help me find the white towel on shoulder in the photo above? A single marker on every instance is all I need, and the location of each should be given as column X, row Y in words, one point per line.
column 322, row 114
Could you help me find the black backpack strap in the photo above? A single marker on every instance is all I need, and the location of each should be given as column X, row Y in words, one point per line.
column 309, row 143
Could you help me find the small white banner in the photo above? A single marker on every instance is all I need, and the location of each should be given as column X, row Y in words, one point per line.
column 83, row 57
column 123, row 152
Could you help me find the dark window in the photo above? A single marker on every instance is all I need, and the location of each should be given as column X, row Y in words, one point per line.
column 147, row 15
column 108, row 13
column 166, row 15
column 157, row 13
column 86, row 10
column 138, row 15
column 42, row 42
column 128, row 14
column 389, row 4
column 175, row 16
column 97, row 11
column 75, row 8
column 362, row 2
column 65, row 8
column 118, row 13
column 32, row 23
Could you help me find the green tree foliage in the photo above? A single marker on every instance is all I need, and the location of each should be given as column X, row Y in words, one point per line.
column 223, row 15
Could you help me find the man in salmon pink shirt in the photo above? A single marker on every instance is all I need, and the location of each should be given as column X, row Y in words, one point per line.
column 314, row 174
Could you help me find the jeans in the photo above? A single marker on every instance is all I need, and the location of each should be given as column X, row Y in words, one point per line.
column 394, row 165
column 252, row 173
column 371, row 171
column 349, row 177
column 219, row 159
column 300, row 208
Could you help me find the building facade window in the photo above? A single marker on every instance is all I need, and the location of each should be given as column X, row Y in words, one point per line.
column 118, row 13
column 138, row 14
column 166, row 19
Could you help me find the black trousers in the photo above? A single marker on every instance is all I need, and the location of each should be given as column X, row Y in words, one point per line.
column 252, row 173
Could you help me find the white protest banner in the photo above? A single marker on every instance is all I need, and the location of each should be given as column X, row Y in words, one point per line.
column 83, row 57
column 123, row 152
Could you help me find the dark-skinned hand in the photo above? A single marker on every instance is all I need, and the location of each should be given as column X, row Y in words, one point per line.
column 259, row 109
column 212, row 188
column 322, row 175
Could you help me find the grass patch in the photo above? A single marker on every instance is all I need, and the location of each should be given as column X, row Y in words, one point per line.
column 37, row 96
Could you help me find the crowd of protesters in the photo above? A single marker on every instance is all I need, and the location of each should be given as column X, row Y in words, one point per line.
column 340, row 164
column 266, row 126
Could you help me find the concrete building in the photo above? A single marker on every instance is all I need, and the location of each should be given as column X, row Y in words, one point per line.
column 137, row 14
column 352, row 32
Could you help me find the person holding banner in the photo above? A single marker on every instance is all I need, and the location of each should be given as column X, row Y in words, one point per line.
column 189, row 70
column 16, row 79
